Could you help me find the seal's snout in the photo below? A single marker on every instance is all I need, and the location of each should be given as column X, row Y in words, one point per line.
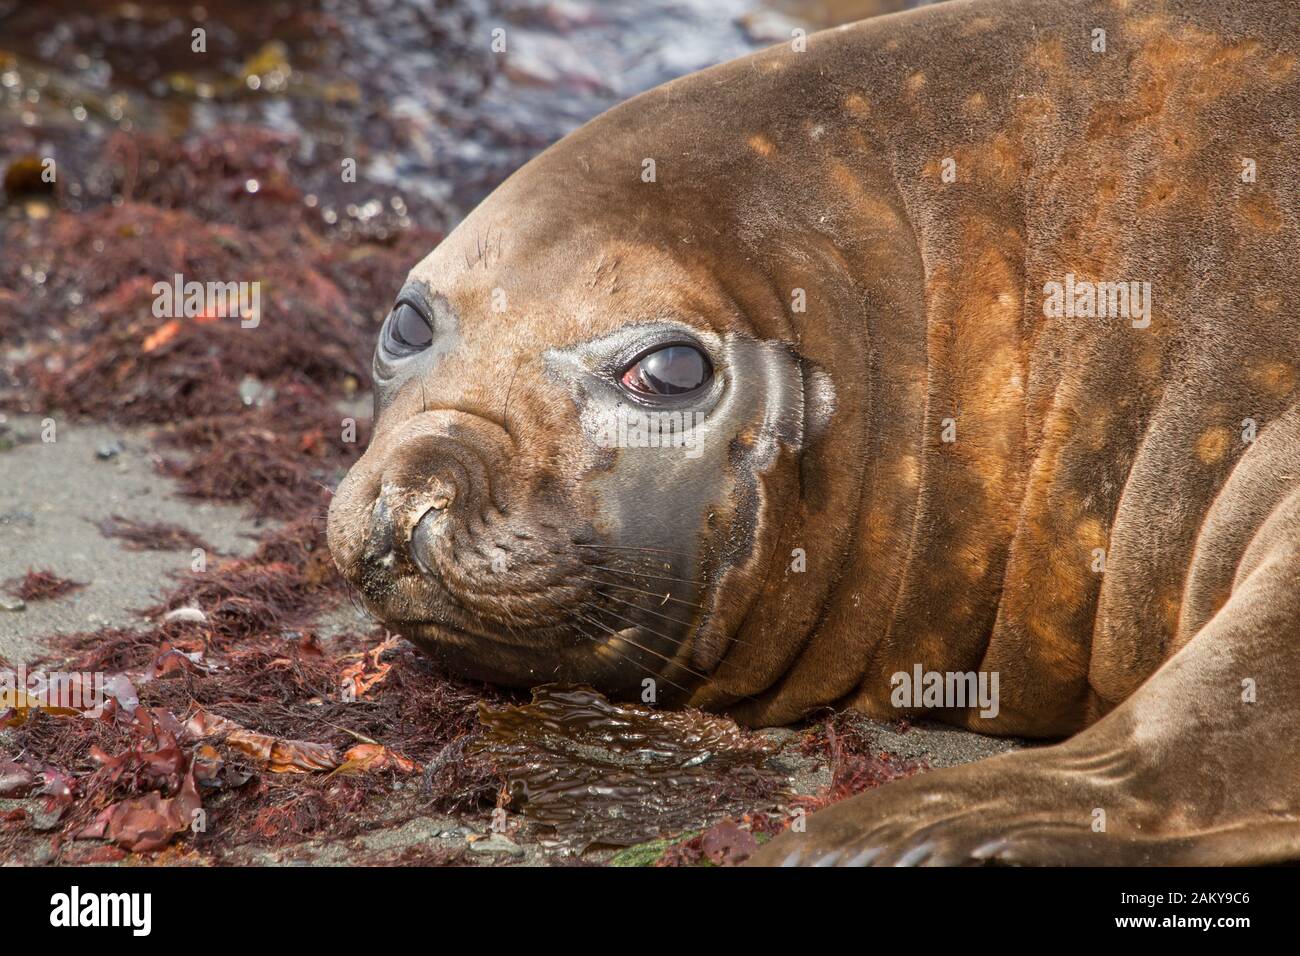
column 445, row 542
column 393, row 511
column 429, row 486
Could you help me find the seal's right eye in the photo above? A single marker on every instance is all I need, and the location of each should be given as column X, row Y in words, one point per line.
column 406, row 331
column 665, row 372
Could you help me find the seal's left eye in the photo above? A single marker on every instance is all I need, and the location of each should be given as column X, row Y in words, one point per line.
column 406, row 331
column 674, row 370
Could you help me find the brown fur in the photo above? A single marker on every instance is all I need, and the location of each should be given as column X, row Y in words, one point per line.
column 823, row 170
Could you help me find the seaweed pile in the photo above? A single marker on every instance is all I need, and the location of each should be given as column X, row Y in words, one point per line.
column 41, row 586
column 228, row 722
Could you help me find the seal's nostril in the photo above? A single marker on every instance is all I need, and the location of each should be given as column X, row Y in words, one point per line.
column 424, row 534
column 379, row 544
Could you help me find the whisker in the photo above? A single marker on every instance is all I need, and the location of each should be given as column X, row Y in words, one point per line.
column 664, row 598
column 611, row 547
column 646, row 610
column 623, row 657
column 632, row 604
column 670, row 640
column 640, row 574
column 634, row 644
column 648, row 650
column 505, row 410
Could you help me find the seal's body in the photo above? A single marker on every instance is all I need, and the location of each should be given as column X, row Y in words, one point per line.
column 962, row 341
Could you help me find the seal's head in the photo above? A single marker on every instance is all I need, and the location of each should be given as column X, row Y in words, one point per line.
column 593, row 402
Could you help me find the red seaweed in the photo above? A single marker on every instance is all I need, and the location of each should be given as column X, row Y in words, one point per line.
column 42, row 586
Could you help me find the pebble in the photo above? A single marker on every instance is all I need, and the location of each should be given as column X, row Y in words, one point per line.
column 44, row 853
column 12, row 603
column 191, row 615
column 253, row 392
column 108, row 450
column 456, row 833
column 497, row 843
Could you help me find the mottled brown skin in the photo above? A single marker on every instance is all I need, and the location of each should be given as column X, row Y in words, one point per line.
column 823, row 170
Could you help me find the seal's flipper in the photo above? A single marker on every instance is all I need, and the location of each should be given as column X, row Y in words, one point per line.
column 1198, row 767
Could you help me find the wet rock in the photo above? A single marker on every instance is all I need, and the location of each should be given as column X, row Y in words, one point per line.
column 791, row 764
column 455, row 834
column 497, row 843
column 16, row 780
column 46, row 818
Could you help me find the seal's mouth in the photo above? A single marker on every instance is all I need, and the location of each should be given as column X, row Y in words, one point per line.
column 440, row 631
column 610, row 616
column 618, row 660
column 428, row 630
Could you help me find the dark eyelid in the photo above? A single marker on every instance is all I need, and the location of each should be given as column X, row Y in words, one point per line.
column 685, row 342
column 416, row 294
column 417, row 302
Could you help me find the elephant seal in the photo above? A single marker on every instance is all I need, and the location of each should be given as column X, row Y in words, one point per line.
column 956, row 343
